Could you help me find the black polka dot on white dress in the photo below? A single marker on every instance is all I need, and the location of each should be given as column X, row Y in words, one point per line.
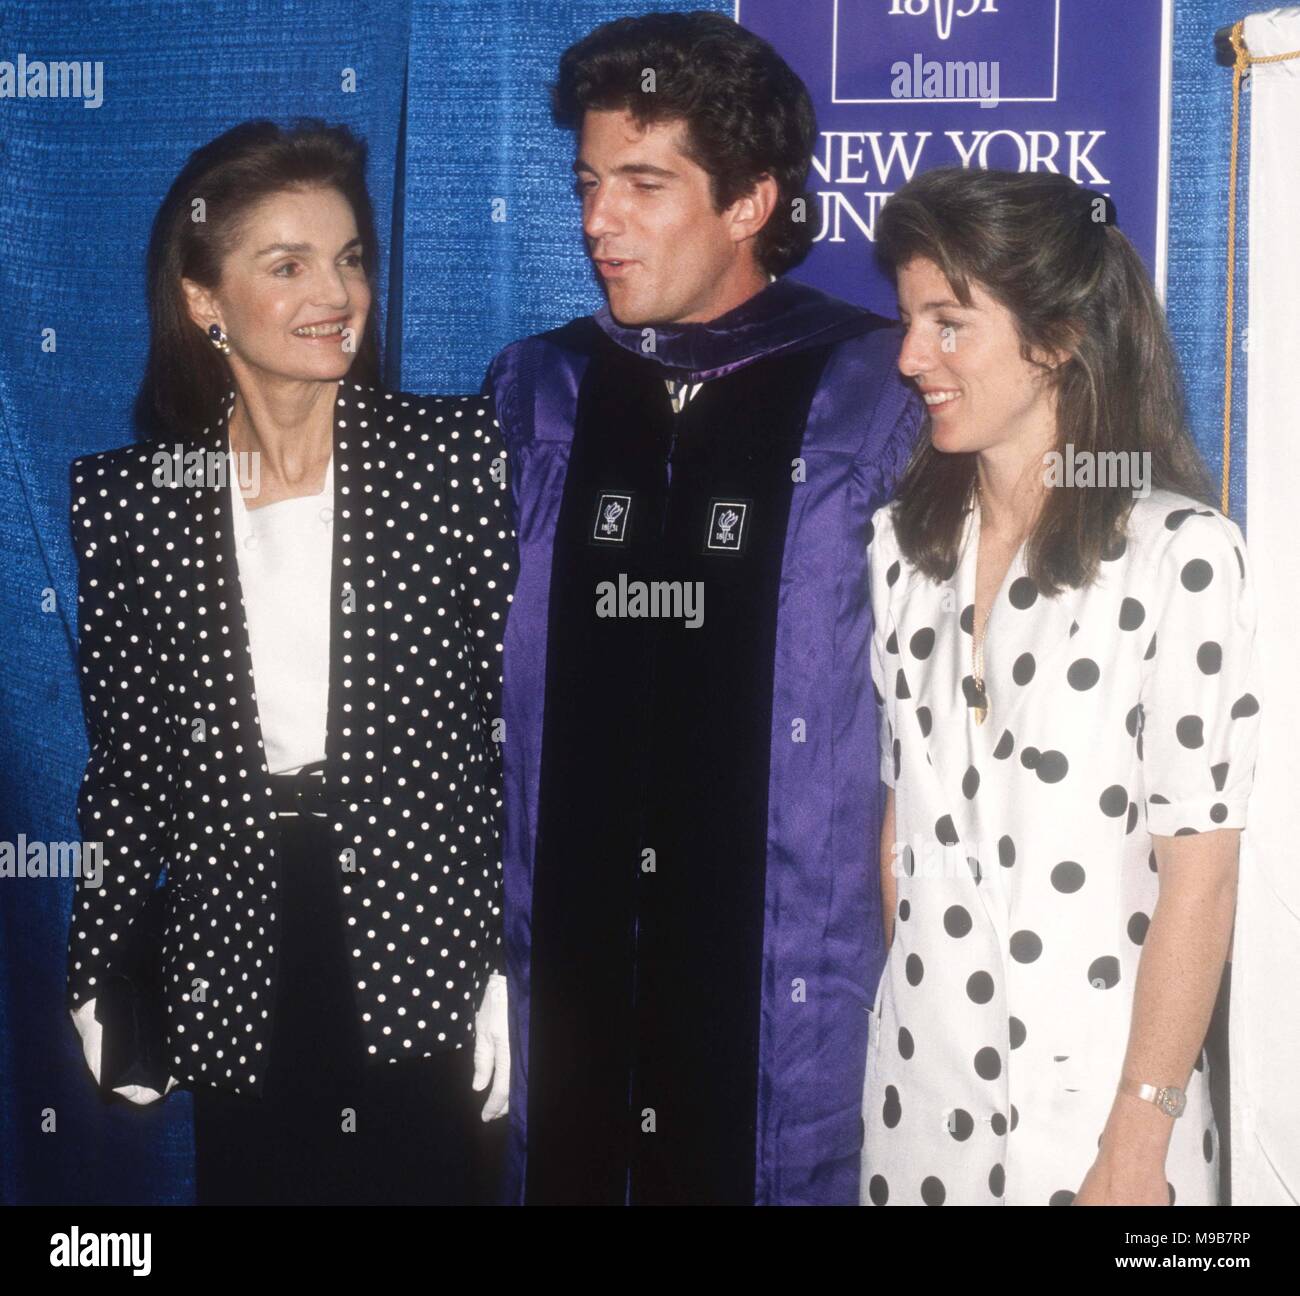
column 1025, row 870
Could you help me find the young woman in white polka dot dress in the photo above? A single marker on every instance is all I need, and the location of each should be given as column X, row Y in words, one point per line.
column 290, row 666
column 1065, row 669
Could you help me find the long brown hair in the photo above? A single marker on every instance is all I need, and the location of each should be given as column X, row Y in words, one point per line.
column 1048, row 250
column 185, row 375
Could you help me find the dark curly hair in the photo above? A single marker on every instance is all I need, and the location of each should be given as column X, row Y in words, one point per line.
column 185, row 378
column 747, row 114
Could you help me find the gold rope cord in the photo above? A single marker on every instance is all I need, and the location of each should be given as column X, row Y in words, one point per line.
column 1244, row 59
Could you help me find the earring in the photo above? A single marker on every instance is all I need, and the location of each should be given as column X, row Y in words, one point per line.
column 217, row 335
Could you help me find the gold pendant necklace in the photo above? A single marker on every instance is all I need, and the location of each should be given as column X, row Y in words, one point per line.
column 981, row 703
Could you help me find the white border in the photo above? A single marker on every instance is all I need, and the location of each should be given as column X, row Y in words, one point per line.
column 1162, row 162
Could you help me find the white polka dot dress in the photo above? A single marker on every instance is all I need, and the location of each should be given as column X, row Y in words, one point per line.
column 423, row 570
column 1024, row 864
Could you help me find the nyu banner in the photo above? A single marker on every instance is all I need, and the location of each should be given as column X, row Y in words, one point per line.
column 1075, row 86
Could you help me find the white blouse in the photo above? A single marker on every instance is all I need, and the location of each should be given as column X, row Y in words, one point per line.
column 284, row 552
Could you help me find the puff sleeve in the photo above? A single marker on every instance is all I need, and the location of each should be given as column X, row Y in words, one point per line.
column 1199, row 694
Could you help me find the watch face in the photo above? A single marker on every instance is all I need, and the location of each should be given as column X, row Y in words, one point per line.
column 1172, row 1100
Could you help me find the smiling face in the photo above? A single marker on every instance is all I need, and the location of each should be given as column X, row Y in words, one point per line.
column 293, row 297
column 664, row 254
column 980, row 391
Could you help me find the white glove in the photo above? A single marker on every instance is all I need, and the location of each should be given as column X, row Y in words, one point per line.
column 92, row 1041
column 492, row 1048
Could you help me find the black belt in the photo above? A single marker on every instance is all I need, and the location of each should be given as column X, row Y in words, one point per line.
column 302, row 792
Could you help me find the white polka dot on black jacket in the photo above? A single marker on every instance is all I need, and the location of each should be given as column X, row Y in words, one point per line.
column 423, row 572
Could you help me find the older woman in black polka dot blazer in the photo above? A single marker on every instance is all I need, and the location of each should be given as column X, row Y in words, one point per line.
column 292, row 601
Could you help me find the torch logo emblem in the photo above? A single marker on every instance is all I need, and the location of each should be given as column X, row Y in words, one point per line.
column 727, row 522
column 610, row 523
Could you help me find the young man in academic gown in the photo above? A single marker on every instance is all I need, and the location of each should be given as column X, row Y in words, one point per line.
column 692, row 890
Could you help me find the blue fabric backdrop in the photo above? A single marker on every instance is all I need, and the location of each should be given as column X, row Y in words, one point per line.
column 451, row 97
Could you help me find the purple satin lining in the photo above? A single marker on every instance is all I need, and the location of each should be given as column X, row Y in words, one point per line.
column 537, row 424
column 782, row 316
column 823, row 930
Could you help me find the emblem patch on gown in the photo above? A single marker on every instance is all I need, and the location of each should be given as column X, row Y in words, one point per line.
column 612, row 514
column 728, row 526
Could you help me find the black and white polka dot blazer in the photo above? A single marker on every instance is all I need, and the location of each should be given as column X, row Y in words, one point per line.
column 423, row 571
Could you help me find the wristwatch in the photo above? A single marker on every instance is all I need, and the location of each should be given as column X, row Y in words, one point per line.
column 1169, row 1098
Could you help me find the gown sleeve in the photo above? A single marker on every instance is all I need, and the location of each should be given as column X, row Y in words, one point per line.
column 1199, row 713
column 882, row 554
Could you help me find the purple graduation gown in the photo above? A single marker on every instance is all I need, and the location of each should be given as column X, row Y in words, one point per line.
column 692, row 914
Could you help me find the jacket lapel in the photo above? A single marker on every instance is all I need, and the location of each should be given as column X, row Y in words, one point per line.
column 223, row 665
column 224, row 682
column 354, row 740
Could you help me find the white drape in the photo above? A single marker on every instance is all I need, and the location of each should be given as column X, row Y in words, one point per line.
column 1265, row 1013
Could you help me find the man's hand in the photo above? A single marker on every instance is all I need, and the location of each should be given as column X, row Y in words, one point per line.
column 92, row 1043
column 492, row 1048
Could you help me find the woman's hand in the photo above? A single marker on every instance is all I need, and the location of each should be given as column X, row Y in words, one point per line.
column 92, row 1045
column 1130, row 1165
column 1134, row 1183
column 492, row 1048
